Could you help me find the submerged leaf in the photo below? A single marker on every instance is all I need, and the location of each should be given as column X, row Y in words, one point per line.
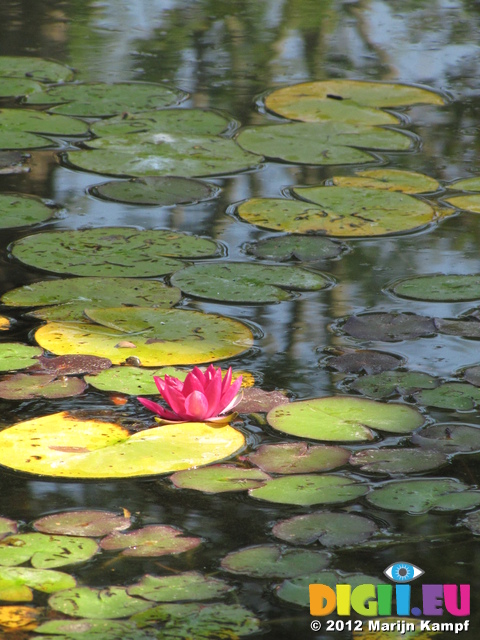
column 82, row 523
column 365, row 360
column 150, row 541
column 389, row 327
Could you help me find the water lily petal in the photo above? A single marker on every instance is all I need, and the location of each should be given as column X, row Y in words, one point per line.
column 227, row 380
column 230, row 394
column 198, row 373
column 175, row 399
column 158, row 409
column 213, row 393
column 196, row 405
column 191, row 384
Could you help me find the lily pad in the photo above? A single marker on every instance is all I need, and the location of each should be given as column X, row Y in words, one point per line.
column 419, row 496
column 62, row 445
column 389, row 327
column 14, row 355
column 82, row 523
column 33, row 67
column 308, row 489
column 459, row 396
column 18, row 87
column 150, row 541
column 96, row 100
column 274, row 561
column 16, row 583
column 85, row 602
column 111, row 251
column 462, row 328
column 154, row 190
column 246, row 282
column 468, row 184
column 7, row 527
column 15, row 617
column 439, row 288
column 298, row 457
column 390, row 179
column 70, row 365
column 343, row 418
column 24, row 129
column 467, row 203
column 449, row 437
column 45, row 551
column 155, row 336
column 365, row 361
column 388, row 383
column 190, row 585
column 220, row 478
column 303, row 248
column 328, row 528
column 255, row 400
column 22, row 386
column 472, row 375
column 308, row 109
column 91, row 629
column 19, row 211
column 395, row 460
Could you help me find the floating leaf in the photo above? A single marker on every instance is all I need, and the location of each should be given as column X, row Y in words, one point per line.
column 62, row 445
column 33, row 67
column 391, row 179
column 328, row 528
column 310, row 489
column 298, row 457
column 22, row 386
column 388, row 383
column 467, row 203
column 82, row 523
column 155, row 336
column 45, row 551
column 190, row 585
column 255, row 400
column 365, row 361
column 343, row 418
column 463, row 328
column 151, row 541
column 274, row 561
column 419, row 496
column 394, row 461
column 449, row 437
column 19, row 211
column 7, row 527
column 111, row 251
column 21, row 618
column 16, row 583
column 389, row 327
column 18, row 87
column 14, row 355
column 87, row 629
column 439, row 288
column 85, row 602
column 458, row 396
column 468, row 184
column 154, row 190
column 71, row 365
column 304, row 248
column 472, row 375
column 19, row 128
column 219, row 478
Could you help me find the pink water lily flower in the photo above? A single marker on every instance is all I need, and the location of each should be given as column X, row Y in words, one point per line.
column 202, row 397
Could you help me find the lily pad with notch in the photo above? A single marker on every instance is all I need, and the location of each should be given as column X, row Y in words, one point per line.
column 25, row 129
column 302, row 248
column 87, row 522
column 45, row 551
column 389, row 327
column 394, row 461
column 458, row 396
column 16, row 583
column 449, row 437
column 366, row 361
column 19, row 210
column 190, row 585
column 298, row 457
column 36, row 68
column 439, row 288
column 153, row 540
column 86, row 602
column 390, row 179
column 389, row 383
column 220, row 478
column 25, row 386
column 15, row 355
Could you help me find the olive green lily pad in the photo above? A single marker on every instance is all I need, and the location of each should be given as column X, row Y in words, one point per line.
column 111, row 251
column 391, row 179
column 365, row 361
column 150, row 541
column 154, row 190
column 419, row 496
column 14, row 355
column 274, row 561
column 459, row 396
column 389, row 327
column 82, row 523
column 328, row 528
column 449, row 438
column 18, row 87
column 45, row 551
column 343, row 418
column 16, row 583
column 36, row 68
column 303, row 248
column 88, row 629
column 323, row 143
column 220, row 478
column 468, row 184
column 19, row 211
column 388, row 383
column 190, row 585
column 439, row 288
column 85, row 602
column 97, row 100
column 70, row 365
column 7, row 527
column 156, row 337
column 246, row 282
column 23, row 386
column 24, row 129
column 308, row 489
column 200, row 621
column 467, row 203
column 298, row 457
column 395, row 460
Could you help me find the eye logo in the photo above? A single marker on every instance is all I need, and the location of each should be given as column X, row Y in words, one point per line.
column 403, row 572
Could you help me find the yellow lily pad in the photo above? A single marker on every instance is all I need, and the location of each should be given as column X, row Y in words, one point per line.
column 390, row 179
column 14, row 617
column 66, row 446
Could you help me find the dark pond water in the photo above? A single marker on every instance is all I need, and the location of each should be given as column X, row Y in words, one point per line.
column 226, row 54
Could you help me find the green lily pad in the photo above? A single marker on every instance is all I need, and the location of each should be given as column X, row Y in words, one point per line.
column 219, row 478
column 391, row 179
column 87, row 629
column 389, row 327
column 246, row 282
column 70, row 365
column 419, row 496
column 343, row 418
column 200, row 621
column 467, row 203
column 36, row 68
column 16, row 583
column 328, row 528
column 298, row 457
column 388, row 383
column 449, row 437
column 96, row 100
column 394, row 461
column 274, row 561
column 14, row 355
column 462, row 328
column 19, row 211
column 111, row 251
column 190, row 585
column 365, row 361
column 18, row 87
column 7, row 527
column 154, row 190
column 323, row 143
column 85, row 602
column 468, row 184
column 308, row 489
column 45, row 551
column 82, row 523
column 23, row 386
column 303, row 248
column 439, row 288
column 19, row 128
column 459, row 396
column 132, row 381
column 150, row 541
